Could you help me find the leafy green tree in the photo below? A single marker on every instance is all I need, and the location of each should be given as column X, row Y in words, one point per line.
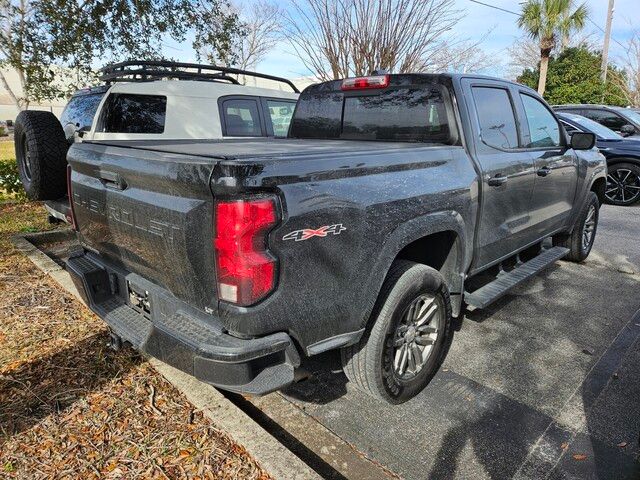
column 41, row 39
column 547, row 21
column 574, row 77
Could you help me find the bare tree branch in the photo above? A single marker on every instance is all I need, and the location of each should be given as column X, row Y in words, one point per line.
column 629, row 80
column 262, row 24
column 341, row 38
column 462, row 56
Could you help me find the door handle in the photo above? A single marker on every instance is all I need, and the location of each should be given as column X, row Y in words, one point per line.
column 497, row 180
column 544, row 171
column 112, row 180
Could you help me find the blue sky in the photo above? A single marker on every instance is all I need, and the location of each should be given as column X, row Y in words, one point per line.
column 477, row 21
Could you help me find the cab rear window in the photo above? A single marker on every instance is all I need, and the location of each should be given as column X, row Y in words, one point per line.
column 130, row 113
column 395, row 114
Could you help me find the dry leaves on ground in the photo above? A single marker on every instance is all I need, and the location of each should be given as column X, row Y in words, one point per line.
column 72, row 408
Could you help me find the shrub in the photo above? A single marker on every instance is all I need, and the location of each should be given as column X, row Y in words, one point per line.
column 10, row 185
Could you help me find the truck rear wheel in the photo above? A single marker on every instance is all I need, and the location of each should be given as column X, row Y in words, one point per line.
column 407, row 338
column 580, row 241
column 41, row 154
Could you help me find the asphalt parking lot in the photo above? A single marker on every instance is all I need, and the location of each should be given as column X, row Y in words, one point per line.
column 543, row 384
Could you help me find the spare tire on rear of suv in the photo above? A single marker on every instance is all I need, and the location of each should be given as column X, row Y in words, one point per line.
column 41, row 151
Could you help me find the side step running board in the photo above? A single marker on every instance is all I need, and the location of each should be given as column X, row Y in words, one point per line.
column 508, row 280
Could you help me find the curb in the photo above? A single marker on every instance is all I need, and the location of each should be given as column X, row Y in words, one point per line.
column 272, row 455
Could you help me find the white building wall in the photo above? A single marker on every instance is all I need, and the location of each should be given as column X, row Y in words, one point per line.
column 8, row 109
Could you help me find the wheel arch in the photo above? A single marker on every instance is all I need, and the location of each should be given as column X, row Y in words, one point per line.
column 615, row 160
column 439, row 250
column 437, row 240
column 599, row 187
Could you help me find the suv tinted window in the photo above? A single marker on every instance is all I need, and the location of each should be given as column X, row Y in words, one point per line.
column 544, row 130
column 606, row 118
column 128, row 113
column 241, row 118
column 496, row 117
column 398, row 114
column 80, row 110
column 569, row 128
column 280, row 113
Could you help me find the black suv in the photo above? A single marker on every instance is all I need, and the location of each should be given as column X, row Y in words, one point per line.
column 622, row 154
column 624, row 121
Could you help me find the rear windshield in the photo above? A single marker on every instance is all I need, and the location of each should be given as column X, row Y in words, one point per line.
column 128, row 113
column 404, row 114
column 81, row 109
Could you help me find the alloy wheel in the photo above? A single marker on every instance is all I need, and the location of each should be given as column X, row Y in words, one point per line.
column 416, row 335
column 623, row 185
column 589, row 228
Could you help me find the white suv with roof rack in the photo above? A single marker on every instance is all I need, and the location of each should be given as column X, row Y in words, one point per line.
column 147, row 101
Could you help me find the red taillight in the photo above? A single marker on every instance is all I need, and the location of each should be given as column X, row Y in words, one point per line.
column 363, row 83
column 71, row 218
column 245, row 270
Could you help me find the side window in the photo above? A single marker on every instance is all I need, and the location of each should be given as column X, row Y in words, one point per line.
column 543, row 126
column 496, row 117
column 280, row 113
column 569, row 128
column 80, row 110
column 241, row 118
column 128, row 113
column 608, row 119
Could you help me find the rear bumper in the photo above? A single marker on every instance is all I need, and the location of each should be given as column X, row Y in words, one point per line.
column 59, row 209
column 182, row 336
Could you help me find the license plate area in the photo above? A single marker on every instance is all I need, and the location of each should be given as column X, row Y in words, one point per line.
column 139, row 299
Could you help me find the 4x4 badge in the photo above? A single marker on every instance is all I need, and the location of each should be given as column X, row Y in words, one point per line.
column 307, row 233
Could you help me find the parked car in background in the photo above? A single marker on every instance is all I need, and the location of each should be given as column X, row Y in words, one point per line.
column 623, row 158
column 142, row 101
column 394, row 202
column 623, row 121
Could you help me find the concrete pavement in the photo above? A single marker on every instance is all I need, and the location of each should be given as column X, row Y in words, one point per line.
column 543, row 383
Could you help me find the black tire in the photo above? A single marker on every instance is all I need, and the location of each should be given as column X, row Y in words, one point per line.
column 579, row 249
column 369, row 364
column 41, row 154
column 623, row 184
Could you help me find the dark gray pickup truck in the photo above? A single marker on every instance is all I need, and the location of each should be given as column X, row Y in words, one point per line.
column 396, row 202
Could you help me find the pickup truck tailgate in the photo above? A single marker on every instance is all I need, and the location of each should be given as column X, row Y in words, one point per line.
column 150, row 213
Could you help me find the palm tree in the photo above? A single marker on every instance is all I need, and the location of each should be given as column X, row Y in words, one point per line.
column 546, row 21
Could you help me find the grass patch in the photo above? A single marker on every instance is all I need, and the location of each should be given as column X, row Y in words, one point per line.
column 23, row 217
column 7, row 150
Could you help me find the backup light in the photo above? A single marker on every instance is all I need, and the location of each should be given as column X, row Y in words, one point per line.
column 364, row 83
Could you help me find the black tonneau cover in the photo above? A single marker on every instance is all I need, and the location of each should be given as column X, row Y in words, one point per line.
column 240, row 148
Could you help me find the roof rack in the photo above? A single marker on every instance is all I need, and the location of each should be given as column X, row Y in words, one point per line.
column 144, row 71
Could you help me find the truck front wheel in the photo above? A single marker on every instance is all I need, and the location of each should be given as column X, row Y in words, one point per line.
column 407, row 338
column 580, row 241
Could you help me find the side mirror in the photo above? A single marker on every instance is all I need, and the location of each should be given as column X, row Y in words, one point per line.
column 583, row 140
column 627, row 130
column 81, row 131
